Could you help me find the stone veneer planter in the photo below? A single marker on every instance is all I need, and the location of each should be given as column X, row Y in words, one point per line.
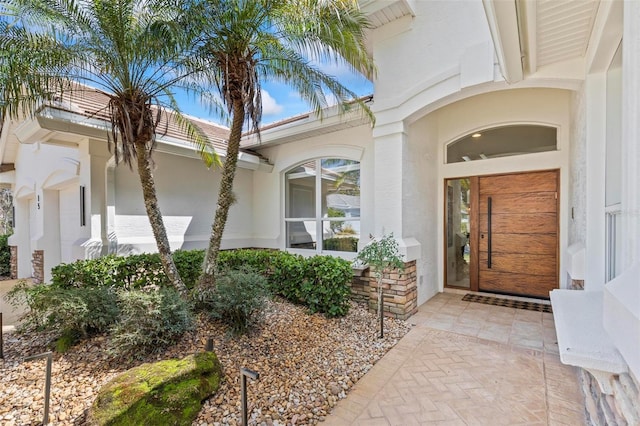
column 399, row 289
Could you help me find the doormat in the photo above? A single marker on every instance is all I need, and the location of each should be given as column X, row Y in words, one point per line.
column 498, row 301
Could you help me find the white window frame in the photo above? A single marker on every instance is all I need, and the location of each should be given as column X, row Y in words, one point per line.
column 319, row 218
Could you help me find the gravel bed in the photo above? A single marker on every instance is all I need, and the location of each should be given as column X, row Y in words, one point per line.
column 306, row 364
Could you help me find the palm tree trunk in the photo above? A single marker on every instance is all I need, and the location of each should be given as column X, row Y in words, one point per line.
column 155, row 217
column 225, row 197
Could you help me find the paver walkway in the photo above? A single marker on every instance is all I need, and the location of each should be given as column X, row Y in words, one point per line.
column 465, row 363
column 10, row 314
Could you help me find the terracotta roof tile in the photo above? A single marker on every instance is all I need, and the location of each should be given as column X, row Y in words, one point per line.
column 90, row 102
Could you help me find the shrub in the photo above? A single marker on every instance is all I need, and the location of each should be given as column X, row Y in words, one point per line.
column 256, row 259
column 5, row 256
column 325, row 287
column 133, row 271
column 149, row 319
column 287, row 275
column 70, row 312
column 238, row 299
column 66, row 341
column 320, row 282
column 85, row 310
column 130, row 272
column 189, row 264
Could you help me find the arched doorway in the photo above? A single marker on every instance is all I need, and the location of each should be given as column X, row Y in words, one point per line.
column 502, row 231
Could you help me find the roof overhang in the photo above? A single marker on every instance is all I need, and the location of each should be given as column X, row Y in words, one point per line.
column 502, row 16
column 304, row 127
column 545, row 38
column 50, row 122
column 381, row 12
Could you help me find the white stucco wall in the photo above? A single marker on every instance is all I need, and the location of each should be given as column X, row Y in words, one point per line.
column 46, row 188
column 443, row 37
column 187, row 192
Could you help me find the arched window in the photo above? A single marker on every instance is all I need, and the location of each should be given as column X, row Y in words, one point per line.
column 323, row 205
column 502, row 142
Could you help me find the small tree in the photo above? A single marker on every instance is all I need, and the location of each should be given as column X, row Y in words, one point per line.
column 381, row 254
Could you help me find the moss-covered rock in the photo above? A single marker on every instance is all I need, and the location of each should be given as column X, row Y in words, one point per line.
column 167, row 392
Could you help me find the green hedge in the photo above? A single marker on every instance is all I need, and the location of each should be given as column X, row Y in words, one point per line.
column 320, row 282
column 5, row 256
column 129, row 272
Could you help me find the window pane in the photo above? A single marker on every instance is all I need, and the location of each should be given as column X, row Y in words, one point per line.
column 340, row 188
column 301, row 194
column 301, row 234
column 502, row 142
column 334, row 225
column 340, row 235
column 458, row 232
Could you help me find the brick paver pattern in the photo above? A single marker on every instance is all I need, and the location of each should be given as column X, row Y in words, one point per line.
column 466, row 363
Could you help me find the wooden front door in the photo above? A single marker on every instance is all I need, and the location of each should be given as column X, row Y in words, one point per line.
column 517, row 237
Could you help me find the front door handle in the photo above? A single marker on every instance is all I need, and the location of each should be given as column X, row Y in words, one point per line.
column 488, row 232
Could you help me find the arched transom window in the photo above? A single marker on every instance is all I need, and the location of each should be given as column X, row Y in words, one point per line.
column 502, row 142
column 323, row 205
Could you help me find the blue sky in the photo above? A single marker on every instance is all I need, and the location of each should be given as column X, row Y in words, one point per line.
column 280, row 100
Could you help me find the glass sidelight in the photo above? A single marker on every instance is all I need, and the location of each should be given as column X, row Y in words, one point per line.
column 458, row 232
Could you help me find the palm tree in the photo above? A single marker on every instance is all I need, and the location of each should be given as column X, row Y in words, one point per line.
column 248, row 42
column 134, row 51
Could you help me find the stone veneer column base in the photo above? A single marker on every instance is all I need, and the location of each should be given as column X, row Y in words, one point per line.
column 619, row 408
column 400, row 291
column 13, row 263
column 38, row 266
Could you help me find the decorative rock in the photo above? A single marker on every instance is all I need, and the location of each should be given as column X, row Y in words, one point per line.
column 296, row 354
column 165, row 392
column 334, row 388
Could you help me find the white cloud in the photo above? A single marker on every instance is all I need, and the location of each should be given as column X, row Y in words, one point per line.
column 269, row 105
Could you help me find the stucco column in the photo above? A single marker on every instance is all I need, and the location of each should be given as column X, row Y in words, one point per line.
column 631, row 134
column 100, row 199
column 21, row 237
column 390, row 152
column 390, row 146
column 594, row 176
